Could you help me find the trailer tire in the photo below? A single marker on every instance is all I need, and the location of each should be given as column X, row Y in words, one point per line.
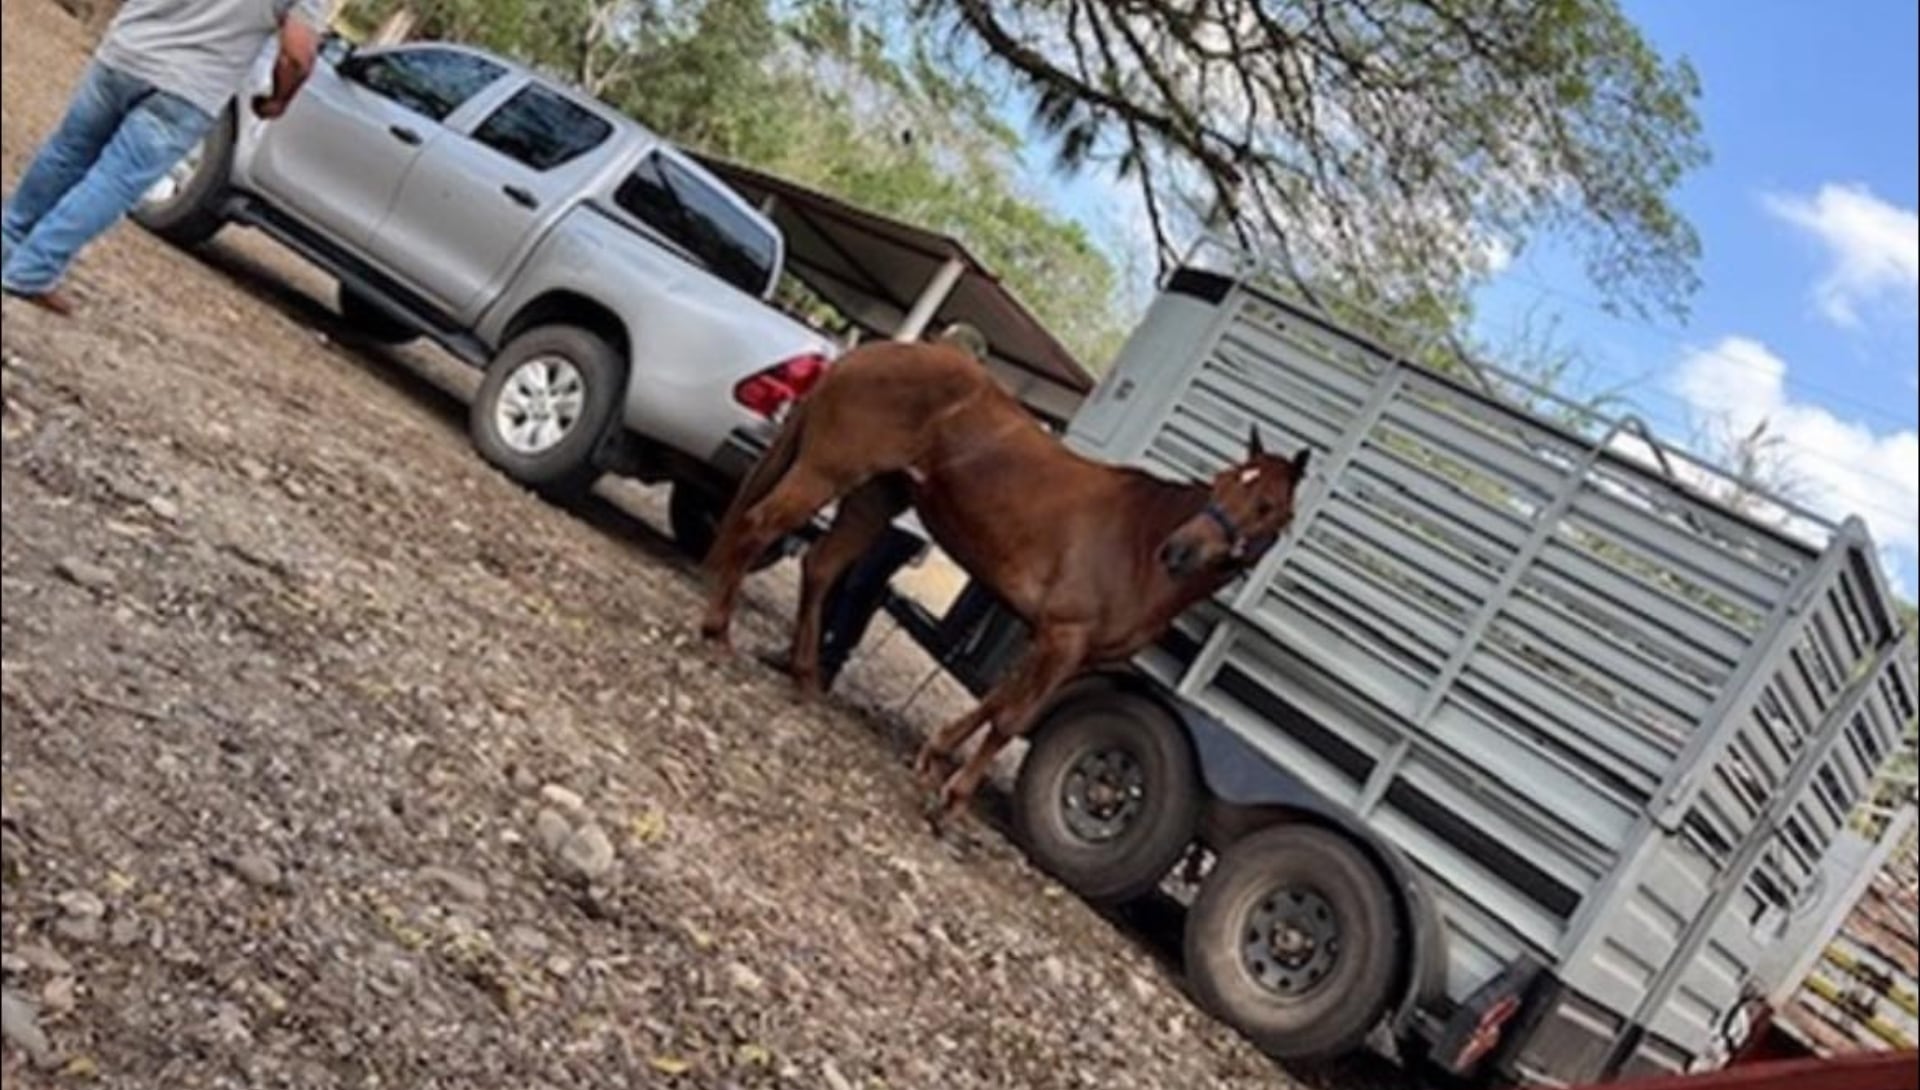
column 1108, row 798
column 1294, row 940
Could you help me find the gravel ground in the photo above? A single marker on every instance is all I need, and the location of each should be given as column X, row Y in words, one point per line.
column 332, row 759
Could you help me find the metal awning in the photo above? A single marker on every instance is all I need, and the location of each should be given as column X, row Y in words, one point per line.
column 893, row 279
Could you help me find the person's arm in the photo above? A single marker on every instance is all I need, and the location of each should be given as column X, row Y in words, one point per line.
column 299, row 45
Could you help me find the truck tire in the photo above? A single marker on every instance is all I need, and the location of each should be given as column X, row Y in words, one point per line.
column 548, row 399
column 184, row 206
column 1294, row 940
column 1108, row 798
column 366, row 319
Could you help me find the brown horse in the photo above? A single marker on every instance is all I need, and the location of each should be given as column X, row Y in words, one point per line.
column 1097, row 559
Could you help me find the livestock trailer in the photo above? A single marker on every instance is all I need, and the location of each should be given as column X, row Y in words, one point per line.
column 1518, row 752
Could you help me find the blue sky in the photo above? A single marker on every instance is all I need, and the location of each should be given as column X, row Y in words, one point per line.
column 1807, row 315
column 1806, row 215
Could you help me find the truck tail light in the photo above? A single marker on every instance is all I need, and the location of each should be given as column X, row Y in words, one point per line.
column 778, row 386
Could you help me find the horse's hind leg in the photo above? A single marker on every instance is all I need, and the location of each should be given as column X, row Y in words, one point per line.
column 861, row 519
column 789, row 504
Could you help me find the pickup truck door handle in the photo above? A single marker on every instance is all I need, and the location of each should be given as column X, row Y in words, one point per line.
column 404, row 134
column 520, row 196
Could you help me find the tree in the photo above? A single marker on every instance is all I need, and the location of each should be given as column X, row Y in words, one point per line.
column 1392, row 145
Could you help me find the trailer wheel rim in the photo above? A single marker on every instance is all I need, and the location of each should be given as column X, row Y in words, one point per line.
column 1290, row 941
column 539, row 403
column 1103, row 793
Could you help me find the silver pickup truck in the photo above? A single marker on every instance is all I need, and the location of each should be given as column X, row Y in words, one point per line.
column 614, row 290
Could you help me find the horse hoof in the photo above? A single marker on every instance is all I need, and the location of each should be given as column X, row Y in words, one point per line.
column 934, row 811
column 714, row 630
column 928, row 773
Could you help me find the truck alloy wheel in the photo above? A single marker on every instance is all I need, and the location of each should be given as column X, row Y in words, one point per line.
column 539, row 403
column 547, row 401
column 1107, row 799
column 1294, row 940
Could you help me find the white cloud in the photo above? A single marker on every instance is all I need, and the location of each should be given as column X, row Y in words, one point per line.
column 1840, row 467
column 1874, row 246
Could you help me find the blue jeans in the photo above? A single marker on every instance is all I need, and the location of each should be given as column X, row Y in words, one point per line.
column 120, row 135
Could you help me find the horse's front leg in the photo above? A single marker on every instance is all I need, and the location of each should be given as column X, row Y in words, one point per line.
column 1057, row 654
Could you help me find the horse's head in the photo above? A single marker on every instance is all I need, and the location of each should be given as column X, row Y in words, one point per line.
column 1249, row 507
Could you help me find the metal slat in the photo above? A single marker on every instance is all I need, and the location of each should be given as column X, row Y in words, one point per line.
column 1543, row 777
column 1317, row 419
column 1499, row 462
column 1240, row 352
column 1576, row 725
column 1395, row 467
column 1428, row 553
column 1730, row 575
column 1619, row 665
column 1381, row 606
column 1718, row 642
column 1371, row 554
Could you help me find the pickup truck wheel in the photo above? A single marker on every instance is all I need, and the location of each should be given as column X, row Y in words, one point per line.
column 1295, row 941
column 547, row 400
column 183, row 207
column 1107, row 798
column 366, row 318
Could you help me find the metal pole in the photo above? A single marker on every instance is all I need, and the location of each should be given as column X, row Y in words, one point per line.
column 931, row 297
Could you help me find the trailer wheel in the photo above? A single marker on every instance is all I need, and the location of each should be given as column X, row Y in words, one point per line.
column 1294, row 940
column 1108, row 797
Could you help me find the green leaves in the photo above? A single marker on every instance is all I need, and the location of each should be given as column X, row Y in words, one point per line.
column 1375, row 143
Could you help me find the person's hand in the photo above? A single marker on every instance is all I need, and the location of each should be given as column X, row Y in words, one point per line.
column 267, row 107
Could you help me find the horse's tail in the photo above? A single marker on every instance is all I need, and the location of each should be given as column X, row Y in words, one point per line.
column 765, row 473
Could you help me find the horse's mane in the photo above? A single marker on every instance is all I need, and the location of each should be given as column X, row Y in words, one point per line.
column 1164, row 504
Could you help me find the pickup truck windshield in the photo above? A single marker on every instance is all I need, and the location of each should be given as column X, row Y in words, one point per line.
column 692, row 214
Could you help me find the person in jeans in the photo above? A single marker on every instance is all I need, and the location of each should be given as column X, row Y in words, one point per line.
column 163, row 71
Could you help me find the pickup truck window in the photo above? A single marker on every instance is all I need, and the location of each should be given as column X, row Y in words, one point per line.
column 541, row 128
column 676, row 202
column 430, row 82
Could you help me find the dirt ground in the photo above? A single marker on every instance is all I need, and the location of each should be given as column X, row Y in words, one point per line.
column 333, row 759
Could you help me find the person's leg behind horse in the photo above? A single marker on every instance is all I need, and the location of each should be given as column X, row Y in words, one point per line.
column 861, row 521
column 1057, row 654
column 156, row 131
column 802, row 491
column 858, row 596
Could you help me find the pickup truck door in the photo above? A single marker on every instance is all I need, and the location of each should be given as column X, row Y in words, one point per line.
column 337, row 158
column 476, row 201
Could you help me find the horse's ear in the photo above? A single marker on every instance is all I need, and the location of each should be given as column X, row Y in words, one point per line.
column 1300, row 462
column 1254, row 449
